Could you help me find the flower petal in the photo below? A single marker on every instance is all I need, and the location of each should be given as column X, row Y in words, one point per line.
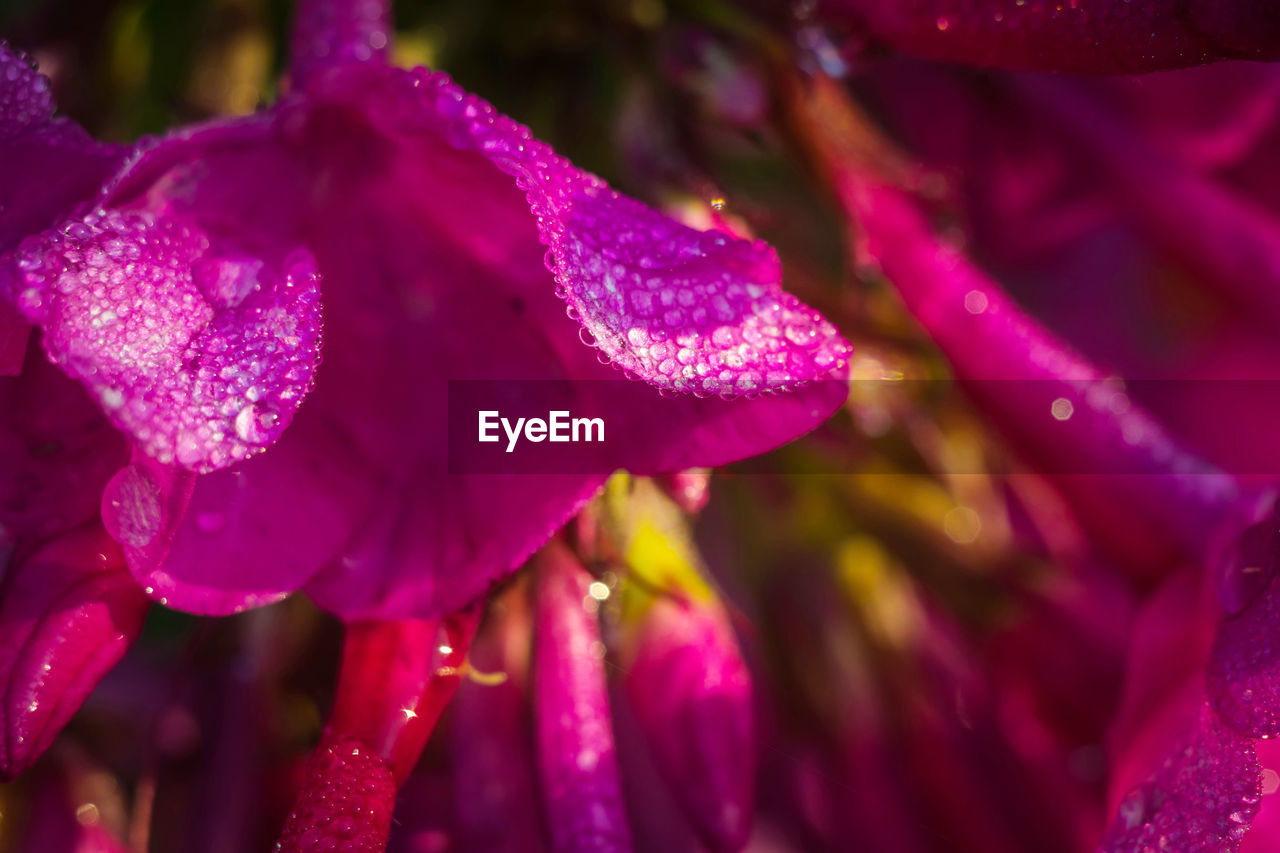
column 242, row 537
column 14, row 333
column 1135, row 488
column 683, row 309
column 50, row 167
column 1244, row 671
column 25, row 97
column 199, row 352
column 1199, row 799
column 57, row 452
column 433, row 272
column 69, row 613
column 576, row 754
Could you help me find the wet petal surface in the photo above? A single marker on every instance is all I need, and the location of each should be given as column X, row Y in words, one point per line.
column 1244, row 671
column 200, row 354
column 1201, row 798
column 434, row 271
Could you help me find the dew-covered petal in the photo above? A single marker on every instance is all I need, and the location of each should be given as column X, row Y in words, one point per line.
column 689, row 310
column 1200, row 798
column 1244, row 672
column 433, row 272
column 1264, row 832
column 51, row 165
column 1176, row 769
column 577, row 759
column 70, row 611
column 1098, row 36
column 142, row 506
column 345, row 803
column 25, row 96
column 200, row 353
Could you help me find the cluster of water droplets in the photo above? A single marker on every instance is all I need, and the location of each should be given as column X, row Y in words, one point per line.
column 201, row 356
column 684, row 310
column 345, row 804
column 1244, row 671
column 25, row 98
column 1201, row 798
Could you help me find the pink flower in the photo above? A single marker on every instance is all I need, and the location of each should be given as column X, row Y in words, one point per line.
column 434, row 236
column 184, row 288
column 1185, row 772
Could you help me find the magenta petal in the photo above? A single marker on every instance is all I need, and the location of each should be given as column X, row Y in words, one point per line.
column 57, row 452
column 14, row 333
column 243, row 537
column 1227, row 239
column 682, row 309
column 690, row 310
column 444, row 542
column 25, row 98
column 1199, row 799
column 1135, row 488
column 50, row 165
column 433, row 271
column 1244, row 671
column 69, row 613
column 578, row 762
column 200, row 354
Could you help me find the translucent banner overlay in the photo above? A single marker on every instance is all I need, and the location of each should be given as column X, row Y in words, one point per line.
column 1086, row 427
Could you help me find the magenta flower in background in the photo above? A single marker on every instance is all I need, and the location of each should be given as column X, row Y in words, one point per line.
column 1185, row 773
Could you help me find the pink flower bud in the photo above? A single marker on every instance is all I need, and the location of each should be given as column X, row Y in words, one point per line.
column 692, row 697
column 69, row 613
column 574, row 730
